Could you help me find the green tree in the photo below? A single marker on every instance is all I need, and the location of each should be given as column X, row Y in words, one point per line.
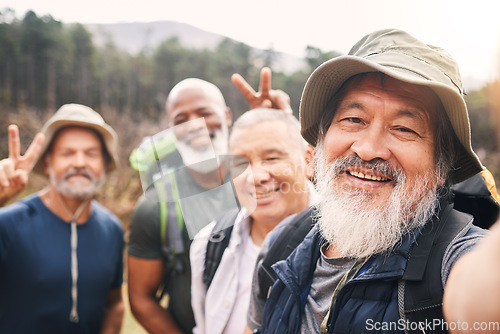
column 316, row 57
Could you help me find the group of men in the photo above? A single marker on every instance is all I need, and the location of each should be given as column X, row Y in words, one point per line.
column 385, row 136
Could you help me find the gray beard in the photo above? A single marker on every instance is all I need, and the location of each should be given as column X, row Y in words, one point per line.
column 204, row 161
column 78, row 192
column 348, row 220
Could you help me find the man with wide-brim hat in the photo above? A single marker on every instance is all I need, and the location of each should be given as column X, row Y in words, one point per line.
column 61, row 252
column 391, row 133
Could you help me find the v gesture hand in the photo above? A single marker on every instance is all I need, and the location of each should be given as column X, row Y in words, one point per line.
column 15, row 169
column 265, row 97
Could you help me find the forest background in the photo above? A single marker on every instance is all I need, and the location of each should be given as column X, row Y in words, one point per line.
column 45, row 64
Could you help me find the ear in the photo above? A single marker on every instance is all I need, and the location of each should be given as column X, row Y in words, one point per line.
column 229, row 117
column 309, row 157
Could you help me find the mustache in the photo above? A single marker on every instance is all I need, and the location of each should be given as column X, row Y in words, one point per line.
column 379, row 166
column 79, row 171
column 194, row 134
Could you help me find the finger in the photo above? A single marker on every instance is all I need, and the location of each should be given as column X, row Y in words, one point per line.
column 243, row 87
column 4, row 180
column 14, row 142
column 281, row 100
column 282, row 105
column 265, row 82
column 267, row 104
column 20, row 179
column 8, row 168
column 34, row 149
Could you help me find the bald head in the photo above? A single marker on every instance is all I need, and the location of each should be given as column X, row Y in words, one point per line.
column 191, row 88
column 193, row 105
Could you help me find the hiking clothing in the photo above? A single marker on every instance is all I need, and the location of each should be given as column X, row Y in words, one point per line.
column 35, row 268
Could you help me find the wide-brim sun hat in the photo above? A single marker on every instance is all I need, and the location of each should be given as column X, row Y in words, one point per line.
column 80, row 116
column 402, row 57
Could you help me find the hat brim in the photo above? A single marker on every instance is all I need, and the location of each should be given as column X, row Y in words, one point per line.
column 108, row 135
column 326, row 80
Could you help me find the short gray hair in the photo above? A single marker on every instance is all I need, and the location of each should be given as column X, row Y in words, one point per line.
column 260, row 115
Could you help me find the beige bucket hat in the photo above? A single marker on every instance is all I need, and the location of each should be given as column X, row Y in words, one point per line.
column 403, row 57
column 82, row 116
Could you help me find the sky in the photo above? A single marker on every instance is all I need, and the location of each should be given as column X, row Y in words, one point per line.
column 469, row 30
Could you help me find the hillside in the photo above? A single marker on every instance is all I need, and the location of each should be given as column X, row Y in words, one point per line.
column 135, row 37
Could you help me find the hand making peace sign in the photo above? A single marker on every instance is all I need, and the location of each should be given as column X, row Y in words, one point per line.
column 265, row 97
column 15, row 169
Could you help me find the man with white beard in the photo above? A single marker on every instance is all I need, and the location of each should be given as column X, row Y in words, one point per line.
column 391, row 135
column 200, row 118
column 61, row 253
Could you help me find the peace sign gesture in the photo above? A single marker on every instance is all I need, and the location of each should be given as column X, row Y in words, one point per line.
column 265, row 97
column 15, row 169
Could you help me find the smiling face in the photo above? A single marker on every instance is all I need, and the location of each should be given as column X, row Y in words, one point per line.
column 197, row 111
column 382, row 120
column 375, row 166
column 273, row 171
column 75, row 163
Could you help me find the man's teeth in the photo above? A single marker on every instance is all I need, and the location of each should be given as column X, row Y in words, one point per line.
column 264, row 195
column 367, row 176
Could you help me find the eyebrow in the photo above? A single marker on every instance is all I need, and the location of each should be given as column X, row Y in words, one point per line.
column 414, row 113
column 274, row 151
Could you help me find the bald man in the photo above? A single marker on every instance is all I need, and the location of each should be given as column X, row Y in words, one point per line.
column 196, row 110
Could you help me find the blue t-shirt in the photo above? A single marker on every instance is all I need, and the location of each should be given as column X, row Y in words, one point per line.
column 35, row 270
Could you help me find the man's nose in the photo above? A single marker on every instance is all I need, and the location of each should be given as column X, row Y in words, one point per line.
column 372, row 143
column 79, row 160
column 260, row 173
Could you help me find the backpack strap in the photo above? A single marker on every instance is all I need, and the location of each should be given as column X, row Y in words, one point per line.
column 287, row 240
column 477, row 196
column 170, row 211
column 217, row 244
column 420, row 291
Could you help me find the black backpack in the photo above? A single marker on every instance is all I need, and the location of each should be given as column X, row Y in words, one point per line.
column 217, row 244
column 471, row 197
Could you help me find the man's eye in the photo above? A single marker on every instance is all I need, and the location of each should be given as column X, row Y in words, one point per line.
column 406, row 130
column 93, row 154
column 354, row 120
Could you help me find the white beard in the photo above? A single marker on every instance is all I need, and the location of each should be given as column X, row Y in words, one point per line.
column 348, row 220
column 204, row 161
column 78, row 191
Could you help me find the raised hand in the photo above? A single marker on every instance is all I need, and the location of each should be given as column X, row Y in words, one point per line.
column 15, row 169
column 265, row 97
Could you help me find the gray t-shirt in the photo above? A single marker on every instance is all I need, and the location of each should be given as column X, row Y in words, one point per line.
column 145, row 240
column 145, row 237
column 327, row 276
column 256, row 306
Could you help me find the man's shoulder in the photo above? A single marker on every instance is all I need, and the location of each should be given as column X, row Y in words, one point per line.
column 293, row 228
column 147, row 211
column 22, row 208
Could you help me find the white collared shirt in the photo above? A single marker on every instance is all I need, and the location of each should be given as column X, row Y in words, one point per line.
column 223, row 308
